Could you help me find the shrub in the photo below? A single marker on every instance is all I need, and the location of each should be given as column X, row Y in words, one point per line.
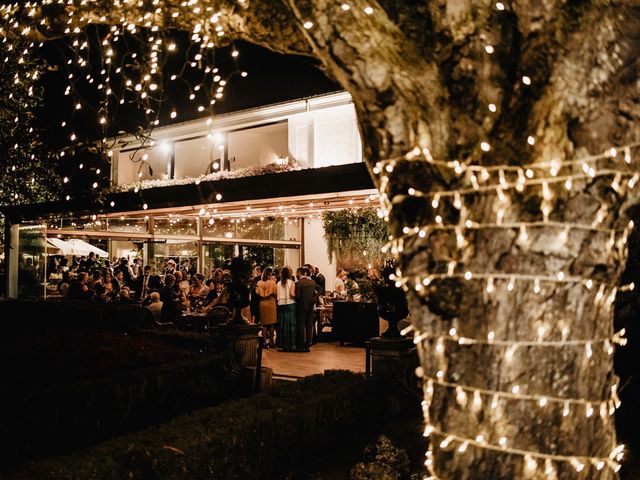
column 245, row 439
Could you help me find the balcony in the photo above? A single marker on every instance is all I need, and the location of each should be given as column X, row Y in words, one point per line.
column 309, row 133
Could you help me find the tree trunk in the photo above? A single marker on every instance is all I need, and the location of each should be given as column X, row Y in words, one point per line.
column 541, row 259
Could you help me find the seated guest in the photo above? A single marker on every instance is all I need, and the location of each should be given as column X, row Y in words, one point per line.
column 63, row 286
column 78, row 289
column 155, row 306
column 125, row 295
column 99, row 293
column 181, row 286
column 215, row 290
column 198, row 288
column 118, row 281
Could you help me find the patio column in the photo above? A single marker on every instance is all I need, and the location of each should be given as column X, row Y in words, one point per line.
column 11, row 257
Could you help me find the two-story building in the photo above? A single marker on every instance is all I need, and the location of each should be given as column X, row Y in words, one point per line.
column 253, row 183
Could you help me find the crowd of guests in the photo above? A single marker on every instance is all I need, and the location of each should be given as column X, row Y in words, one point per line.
column 280, row 300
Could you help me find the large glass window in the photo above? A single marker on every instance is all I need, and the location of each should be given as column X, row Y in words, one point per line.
column 32, row 261
column 218, row 255
column 257, row 147
column 199, row 156
column 161, row 252
column 152, row 163
column 176, row 226
column 269, row 228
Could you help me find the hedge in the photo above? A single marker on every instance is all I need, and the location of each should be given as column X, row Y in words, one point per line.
column 21, row 316
column 251, row 438
column 59, row 418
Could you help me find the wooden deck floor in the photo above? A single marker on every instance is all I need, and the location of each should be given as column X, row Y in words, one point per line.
column 323, row 356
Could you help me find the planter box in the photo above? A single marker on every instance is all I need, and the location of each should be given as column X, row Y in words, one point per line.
column 355, row 322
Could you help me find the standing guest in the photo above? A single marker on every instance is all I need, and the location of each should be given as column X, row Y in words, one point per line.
column 170, row 268
column 267, row 291
column 155, row 306
column 319, row 279
column 286, row 329
column 340, row 288
column 169, row 299
column 127, row 272
column 137, row 269
column 90, row 262
column 187, row 269
column 306, row 295
column 255, row 299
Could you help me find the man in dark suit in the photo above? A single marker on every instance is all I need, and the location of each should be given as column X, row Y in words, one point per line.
column 317, row 277
column 142, row 283
column 306, row 292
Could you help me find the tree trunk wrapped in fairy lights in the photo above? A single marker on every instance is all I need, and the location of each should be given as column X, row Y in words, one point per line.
column 489, row 128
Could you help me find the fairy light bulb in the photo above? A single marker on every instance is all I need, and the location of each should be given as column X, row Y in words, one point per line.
column 445, row 443
column 589, row 410
column 511, row 284
column 463, row 446
column 494, row 402
column 490, row 287
column 536, row 285
column 476, row 404
column 588, row 351
column 566, row 410
column 577, row 464
column 524, row 237
column 530, row 465
column 461, row 396
column 510, row 353
column 436, row 200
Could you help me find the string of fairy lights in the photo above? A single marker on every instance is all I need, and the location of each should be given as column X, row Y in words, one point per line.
column 605, row 294
column 543, row 176
column 131, row 63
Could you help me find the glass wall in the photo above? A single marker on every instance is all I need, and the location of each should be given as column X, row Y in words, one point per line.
column 183, row 226
column 176, row 250
column 269, row 228
column 32, row 260
column 218, row 255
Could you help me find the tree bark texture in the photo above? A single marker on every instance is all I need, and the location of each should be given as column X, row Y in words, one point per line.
column 446, row 76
